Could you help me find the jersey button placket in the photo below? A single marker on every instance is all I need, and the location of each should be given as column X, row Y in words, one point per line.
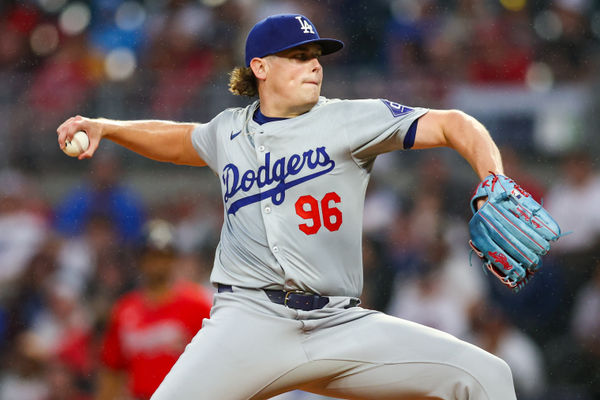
column 267, row 207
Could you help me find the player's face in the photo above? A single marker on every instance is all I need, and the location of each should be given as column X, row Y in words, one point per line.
column 295, row 76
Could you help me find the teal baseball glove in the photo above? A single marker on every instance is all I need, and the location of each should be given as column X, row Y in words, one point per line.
column 511, row 231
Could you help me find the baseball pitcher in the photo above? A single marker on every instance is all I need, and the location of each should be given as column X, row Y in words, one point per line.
column 293, row 168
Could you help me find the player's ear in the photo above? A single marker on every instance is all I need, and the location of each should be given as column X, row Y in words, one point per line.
column 259, row 68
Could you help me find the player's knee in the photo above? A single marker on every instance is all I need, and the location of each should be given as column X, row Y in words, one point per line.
column 459, row 383
column 495, row 378
column 501, row 370
column 484, row 374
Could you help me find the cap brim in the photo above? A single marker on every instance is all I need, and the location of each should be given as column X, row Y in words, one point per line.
column 328, row 46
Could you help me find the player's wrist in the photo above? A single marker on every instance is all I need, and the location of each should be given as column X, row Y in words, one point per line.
column 106, row 128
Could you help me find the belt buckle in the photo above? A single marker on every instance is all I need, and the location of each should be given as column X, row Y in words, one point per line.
column 287, row 294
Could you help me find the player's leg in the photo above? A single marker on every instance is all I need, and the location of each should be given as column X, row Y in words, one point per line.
column 403, row 381
column 342, row 379
column 300, row 395
column 240, row 349
column 388, row 358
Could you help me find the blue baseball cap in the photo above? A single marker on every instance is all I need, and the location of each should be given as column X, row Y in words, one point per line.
column 284, row 31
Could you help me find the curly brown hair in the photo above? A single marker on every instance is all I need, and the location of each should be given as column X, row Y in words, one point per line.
column 242, row 82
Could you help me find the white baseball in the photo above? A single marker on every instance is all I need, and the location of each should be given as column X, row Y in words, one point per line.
column 77, row 145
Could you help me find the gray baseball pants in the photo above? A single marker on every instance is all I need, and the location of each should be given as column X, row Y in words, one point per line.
column 251, row 348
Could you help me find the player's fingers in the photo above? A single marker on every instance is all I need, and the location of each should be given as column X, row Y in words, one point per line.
column 68, row 128
column 63, row 137
column 94, row 136
column 61, row 132
column 62, row 126
column 94, row 143
column 481, row 201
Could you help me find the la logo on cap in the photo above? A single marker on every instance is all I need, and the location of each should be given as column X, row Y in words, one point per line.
column 304, row 25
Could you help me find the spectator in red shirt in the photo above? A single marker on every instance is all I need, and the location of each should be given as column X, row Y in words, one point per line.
column 150, row 327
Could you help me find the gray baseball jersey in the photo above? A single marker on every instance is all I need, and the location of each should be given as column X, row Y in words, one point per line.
column 293, row 191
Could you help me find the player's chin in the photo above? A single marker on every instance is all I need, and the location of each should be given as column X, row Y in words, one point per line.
column 311, row 92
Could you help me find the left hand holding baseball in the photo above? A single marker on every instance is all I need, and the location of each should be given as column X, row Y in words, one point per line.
column 510, row 231
column 67, row 130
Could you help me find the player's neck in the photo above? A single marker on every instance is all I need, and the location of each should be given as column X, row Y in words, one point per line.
column 261, row 119
column 280, row 109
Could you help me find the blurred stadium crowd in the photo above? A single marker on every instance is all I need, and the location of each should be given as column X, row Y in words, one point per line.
column 69, row 229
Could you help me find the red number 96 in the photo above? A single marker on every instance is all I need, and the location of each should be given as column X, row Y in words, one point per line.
column 307, row 207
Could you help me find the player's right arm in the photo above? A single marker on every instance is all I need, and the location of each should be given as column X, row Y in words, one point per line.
column 159, row 140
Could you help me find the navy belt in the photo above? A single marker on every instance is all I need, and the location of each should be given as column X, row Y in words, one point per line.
column 294, row 299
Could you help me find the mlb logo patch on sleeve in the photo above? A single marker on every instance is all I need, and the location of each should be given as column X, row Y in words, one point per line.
column 397, row 109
